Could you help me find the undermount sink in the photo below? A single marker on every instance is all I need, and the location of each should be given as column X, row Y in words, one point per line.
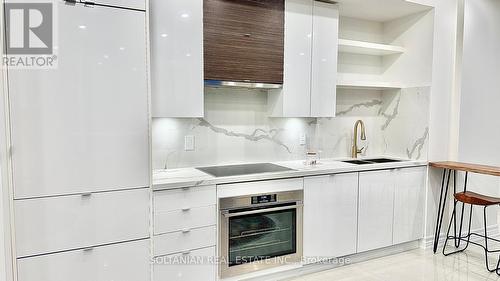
column 371, row 161
column 382, row 160
column 357, row 162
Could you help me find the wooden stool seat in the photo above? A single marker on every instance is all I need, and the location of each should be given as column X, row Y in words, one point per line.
column 473, row 198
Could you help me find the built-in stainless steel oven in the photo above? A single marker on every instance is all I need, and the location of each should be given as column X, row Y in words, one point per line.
column 259, row 231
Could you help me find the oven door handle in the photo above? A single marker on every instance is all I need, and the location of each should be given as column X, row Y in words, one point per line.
column 229, row 215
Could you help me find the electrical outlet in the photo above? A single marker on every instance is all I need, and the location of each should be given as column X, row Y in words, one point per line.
column 189, row 143
column 302, row 139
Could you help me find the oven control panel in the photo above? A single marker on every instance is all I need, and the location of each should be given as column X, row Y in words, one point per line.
column 260, row 199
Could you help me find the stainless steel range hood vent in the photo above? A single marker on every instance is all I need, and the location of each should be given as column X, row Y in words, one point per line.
column 238, row 84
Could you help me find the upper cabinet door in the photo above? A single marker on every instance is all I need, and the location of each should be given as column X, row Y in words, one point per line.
column 244, row 40
column 310, row 61
column 324, row 59
column 298, row 51
column 128, row 4
column 84, row 126
column 177, row 58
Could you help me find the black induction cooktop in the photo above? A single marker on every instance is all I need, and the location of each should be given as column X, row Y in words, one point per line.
column 244, row 169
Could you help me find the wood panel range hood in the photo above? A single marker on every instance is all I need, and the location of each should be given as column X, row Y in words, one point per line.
column 243, row 43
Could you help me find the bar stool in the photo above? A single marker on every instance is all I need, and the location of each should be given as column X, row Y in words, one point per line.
column 473, row 199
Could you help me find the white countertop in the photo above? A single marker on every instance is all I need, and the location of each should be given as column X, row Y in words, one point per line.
column 188, row 177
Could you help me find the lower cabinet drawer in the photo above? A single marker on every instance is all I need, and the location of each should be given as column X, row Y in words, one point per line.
column 124, row 262
column 181, row 198
column 193, row 266
column 177, row 242
column 184, row 219
column 54, row 224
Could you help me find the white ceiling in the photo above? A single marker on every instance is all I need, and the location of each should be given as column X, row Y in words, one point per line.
column 379, row 10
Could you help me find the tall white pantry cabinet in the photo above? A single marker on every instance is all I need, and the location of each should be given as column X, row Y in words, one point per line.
column 80, row 150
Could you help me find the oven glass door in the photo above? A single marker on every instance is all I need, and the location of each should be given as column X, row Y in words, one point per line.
column 263, row 235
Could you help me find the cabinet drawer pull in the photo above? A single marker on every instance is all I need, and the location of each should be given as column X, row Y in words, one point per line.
column 86, row 195
column 186, row 230
column 185, row 209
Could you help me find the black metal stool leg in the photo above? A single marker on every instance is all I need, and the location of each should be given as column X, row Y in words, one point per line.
column 486, row 250
column 463, row 207
column 459, row 237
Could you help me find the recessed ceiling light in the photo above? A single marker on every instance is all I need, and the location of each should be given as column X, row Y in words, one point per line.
column 164, row 35
column 185, row 15
column 82, row 26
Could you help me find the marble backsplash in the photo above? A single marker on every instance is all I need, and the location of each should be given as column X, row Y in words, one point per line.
column 236, row 129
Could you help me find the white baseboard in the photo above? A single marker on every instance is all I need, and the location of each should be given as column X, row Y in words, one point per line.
column 492, row 231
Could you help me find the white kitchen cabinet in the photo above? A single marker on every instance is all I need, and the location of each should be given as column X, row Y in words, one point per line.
column 124, row 262
column 83, row 127
column 295, row 97
column 184, row 198
column 324, row 59
column 182, row 241
column 376, row 206
column 409, row 202
column 186, row 219
column 53, row 224
column 177, row 58
column 310, row 58
column 165, row 268
column 330, row 215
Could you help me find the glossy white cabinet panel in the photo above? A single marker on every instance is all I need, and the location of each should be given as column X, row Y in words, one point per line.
column 324, row 59
column 178, row 242
column 52, row 224
column 165, row 269
column 184, row 198
column 124, row 262
column 177, row 58
column 409, row 202
column 294, row 99
column 83, row 127
column 185, row 219
column 131, row 4
column 330, row 215
column 310, row 57
column 376, row 206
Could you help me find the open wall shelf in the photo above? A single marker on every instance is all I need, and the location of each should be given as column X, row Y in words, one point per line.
column 368, row 85
column 367, row 48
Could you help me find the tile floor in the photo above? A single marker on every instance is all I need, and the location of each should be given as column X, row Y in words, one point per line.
column 412, row 266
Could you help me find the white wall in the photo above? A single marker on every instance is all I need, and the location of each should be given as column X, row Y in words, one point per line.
column 480, row 93
column 480, row 106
